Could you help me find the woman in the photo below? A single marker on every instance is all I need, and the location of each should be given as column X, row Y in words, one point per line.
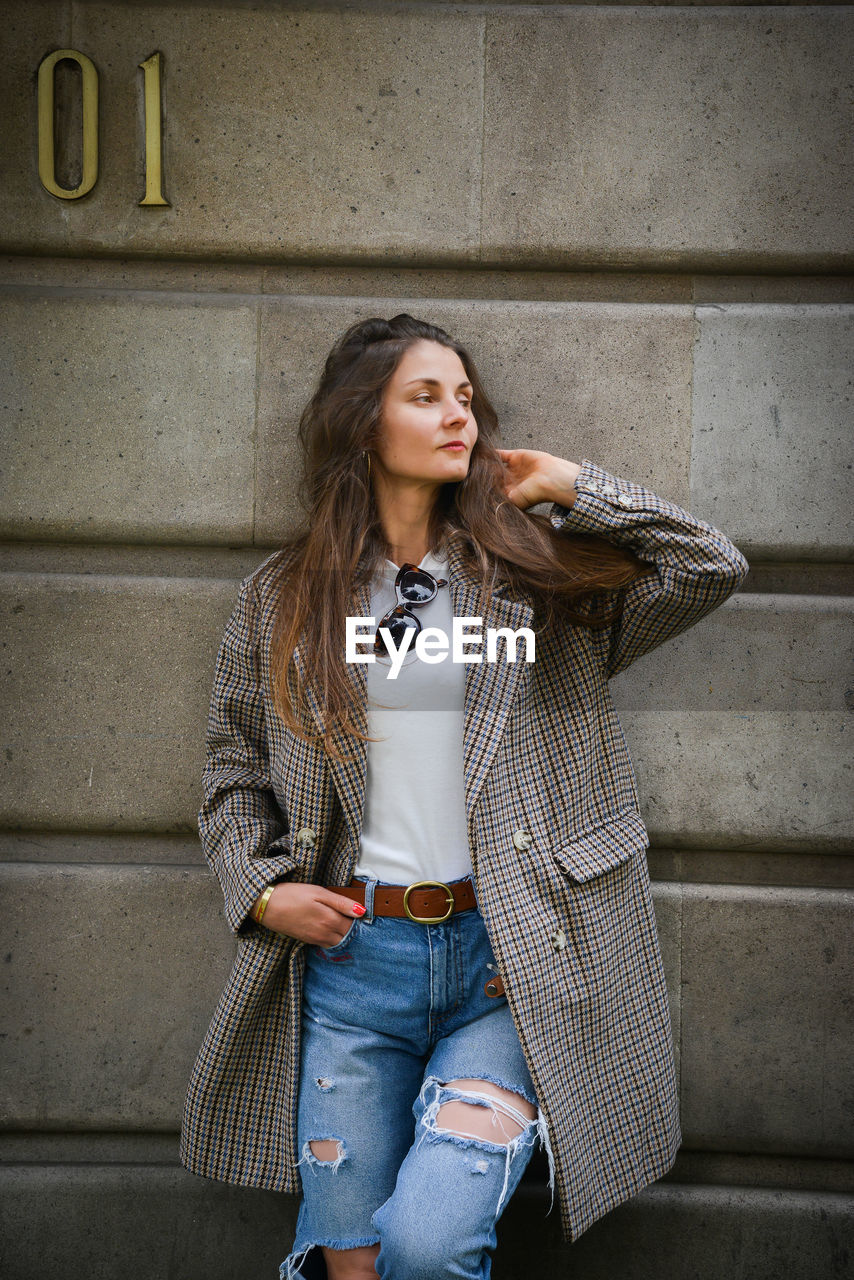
column 517, row 996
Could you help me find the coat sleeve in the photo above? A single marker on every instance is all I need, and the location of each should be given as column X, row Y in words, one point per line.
column 244, row 832
column 696, row 566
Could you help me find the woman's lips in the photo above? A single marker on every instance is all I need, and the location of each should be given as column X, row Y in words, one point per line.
column 454, row 446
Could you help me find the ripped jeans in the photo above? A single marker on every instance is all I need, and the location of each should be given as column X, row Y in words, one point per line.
column 391, row 1014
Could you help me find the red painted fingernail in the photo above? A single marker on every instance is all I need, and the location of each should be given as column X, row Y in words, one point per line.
column 358, row 909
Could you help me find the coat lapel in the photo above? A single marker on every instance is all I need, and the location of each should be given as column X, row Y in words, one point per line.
column 348, row 773
column 491, row 688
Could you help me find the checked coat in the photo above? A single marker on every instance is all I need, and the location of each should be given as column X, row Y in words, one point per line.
column 557, row 845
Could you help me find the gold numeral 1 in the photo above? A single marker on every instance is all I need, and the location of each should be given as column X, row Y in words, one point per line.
column 153, row 132
column 47, row 141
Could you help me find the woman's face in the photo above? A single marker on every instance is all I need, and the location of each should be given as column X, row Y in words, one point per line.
column 427, row 429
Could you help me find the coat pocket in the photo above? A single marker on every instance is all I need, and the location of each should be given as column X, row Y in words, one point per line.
column 598, row 849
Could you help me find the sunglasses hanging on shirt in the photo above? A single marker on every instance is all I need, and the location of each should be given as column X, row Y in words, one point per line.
column 414, row 587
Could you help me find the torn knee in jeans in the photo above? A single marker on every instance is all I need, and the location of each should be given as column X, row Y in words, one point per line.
column 480, row 1109
column 494, row 1124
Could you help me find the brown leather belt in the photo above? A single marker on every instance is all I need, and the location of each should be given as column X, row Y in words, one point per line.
column 426, row 901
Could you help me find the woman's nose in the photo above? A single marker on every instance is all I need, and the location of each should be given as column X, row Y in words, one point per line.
column 455, row 412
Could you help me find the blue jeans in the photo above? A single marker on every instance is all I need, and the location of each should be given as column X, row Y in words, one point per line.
column 391, row 1014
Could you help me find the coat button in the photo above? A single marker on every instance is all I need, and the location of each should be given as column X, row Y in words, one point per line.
column 306, row 838
column 625, row 500
column 558, row 940
column 522, row 839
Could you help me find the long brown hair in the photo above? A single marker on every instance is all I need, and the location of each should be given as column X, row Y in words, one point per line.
column 342, row 543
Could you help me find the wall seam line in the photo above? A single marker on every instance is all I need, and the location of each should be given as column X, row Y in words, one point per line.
column 695, row 337
column 483, row 47
column 252, row 533
column 681, row 989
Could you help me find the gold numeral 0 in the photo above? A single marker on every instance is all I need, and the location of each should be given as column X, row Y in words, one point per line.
column 47, row 141
column 153, row 132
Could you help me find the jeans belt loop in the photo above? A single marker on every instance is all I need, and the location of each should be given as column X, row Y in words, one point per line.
column 370, row 886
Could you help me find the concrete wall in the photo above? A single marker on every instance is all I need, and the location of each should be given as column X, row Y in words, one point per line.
column 637, row 218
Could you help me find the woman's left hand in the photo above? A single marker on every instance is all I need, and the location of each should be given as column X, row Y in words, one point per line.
column 532, row 476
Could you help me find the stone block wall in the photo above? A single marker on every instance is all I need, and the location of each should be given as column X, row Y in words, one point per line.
column 637, row 218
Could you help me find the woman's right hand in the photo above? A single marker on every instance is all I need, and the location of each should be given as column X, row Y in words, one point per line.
column 309, row 913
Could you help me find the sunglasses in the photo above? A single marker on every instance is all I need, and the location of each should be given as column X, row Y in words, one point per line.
column 414, row 587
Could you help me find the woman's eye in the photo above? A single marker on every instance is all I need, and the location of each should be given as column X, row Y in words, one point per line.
column 424, row 397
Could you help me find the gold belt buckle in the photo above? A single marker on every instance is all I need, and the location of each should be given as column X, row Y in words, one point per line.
column 428, row 884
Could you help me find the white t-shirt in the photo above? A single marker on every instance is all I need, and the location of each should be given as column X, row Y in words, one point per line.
column 414, row 824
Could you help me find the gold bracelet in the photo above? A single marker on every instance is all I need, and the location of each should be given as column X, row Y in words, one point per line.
column 258, row 913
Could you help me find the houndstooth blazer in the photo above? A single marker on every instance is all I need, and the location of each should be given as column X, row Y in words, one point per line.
column 558, row 850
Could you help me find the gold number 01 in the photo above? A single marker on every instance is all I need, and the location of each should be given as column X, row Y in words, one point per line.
column 47, row 142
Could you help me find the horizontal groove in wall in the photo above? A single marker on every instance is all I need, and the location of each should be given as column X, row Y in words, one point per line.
column 181, row 561
column 63, row 848
column 11, row 867
column 784, row 578
column 335, row 6
column 34, row 1147
column 325, row 280
column 727, row 867
column 667, row 866
column 628, row 260
column 125, row 559
column 796, row 1173
column 692, row 1167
